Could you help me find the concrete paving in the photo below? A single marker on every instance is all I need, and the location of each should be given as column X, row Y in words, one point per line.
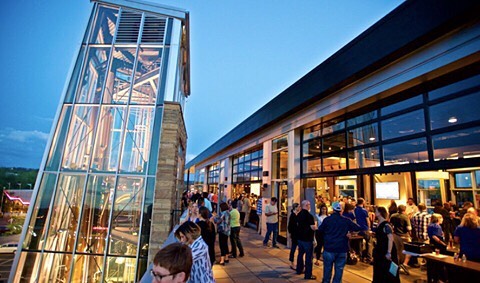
column 262, row 264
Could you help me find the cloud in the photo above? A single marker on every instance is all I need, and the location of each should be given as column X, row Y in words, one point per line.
column 24, row 136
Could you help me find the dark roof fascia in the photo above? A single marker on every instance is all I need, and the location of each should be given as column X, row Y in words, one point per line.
column 409, row 26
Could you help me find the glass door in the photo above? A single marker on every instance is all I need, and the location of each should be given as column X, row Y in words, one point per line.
column 281, row 193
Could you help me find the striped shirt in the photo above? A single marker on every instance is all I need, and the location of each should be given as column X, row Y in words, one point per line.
column 201, row 268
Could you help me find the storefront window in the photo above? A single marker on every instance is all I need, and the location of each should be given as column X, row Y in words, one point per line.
column 247, row 166
column 458, row 144
column 332, row 126
column 334, row 143
column 454, row 88
column 455, row 111
column 429, row 192
column 402, row 105
column 477, row 178
column 312, row 148
column 312, row 165
column 411, row 151
column 363, row 135
column 364, row 158
column 362, row 118
column 462, row 196
column 280, row 143
column 334, row 162
column 311, row 132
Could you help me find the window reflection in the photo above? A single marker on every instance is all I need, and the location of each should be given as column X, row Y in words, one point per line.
column 65, row 213
column 403, row 125
column 72, row 86
column 95, row 214
column 312, row 165
column 80, row 137
column 455, row 111
column 334, row 163
column 55, row 267
column 137, row 139
column 120, row 269
column 104, row 27
column 146, row 76
column 334, row 143
column 31, row 263
column 363, row 135
column 362, row 118
column 91, row 82
column 127, row 210
column 108, row 139
column 404, row 104
column 364, row 158
column 458, row 144
column 411, row 151
column 87, row 268
column 120, row 76
column 312, row 148
column 58, row 142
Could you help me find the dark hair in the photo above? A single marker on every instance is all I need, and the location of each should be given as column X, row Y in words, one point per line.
column 201, row 201
column 401, row 208
column 176, row 258
column 204, row 212
column 234, row 204
column 320, row 209
column 223, row 206
column 383, row 211
column 190, row 230
column 360, row 201
column 274, row 199
column 205, row 194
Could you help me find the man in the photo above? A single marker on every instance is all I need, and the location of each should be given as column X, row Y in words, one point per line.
column 207, row 202
column 271, row 211
column 235, row 231
column 247, row 207
column 305, row 233
column 335, row 229
column 420, row 222
column 172, row 264
column 361, row 215
column 402, row 228
column 411, row 208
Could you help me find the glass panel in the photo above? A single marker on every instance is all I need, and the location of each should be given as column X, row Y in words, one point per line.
column 246, row 176
column 411, row 151
column 235, row 160
column 58, row 140
column 255, row 175
column 312, row 165
column 87, row 268
column 477, row 178
column 403, row 125
column 147, row 73
column 312, row 148
column 147, row 217
column 260, row 153
column 247, row 156
column 280, row 143
column 72, row 86
column 334, row 163
column 402, row 105
column 94, row 72
column 36, row 228
column 55, row 267
column 104, row 27
column 255, row 165
column 119, row 79
column 127, row 212
column 255, row 154
column 240, row 167
column 334, row 143
column 363, row 135
column 155, row 143
column 120, row 269
column 137, row 139
column 455, row 87
column 246, row 166
column 455, row 111
column 280, row 165
column 241, row 158
column 362, row 118
column 65, row 213
column 459, row 144
column 108, row 138
column 364, row 158
column 311, row 133
column 463, row 196
column 463, row 180
column 332, row 126
column 80, row 136
column 95, row 214
column 31, row 263
column 235, row 169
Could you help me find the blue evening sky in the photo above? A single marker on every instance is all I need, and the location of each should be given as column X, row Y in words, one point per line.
column 243, row 53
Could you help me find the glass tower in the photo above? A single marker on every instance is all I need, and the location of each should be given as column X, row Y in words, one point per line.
column 90, row 218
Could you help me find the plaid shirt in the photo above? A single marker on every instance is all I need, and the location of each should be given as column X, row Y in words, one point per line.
column 420, row 223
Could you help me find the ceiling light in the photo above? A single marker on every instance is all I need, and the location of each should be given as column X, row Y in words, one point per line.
column 371, row 138
column 452, row 120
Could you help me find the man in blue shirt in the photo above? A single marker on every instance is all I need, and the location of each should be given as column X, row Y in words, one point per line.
column 335, row 229
column 361, row 215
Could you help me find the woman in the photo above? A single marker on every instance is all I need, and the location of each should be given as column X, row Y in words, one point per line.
column 392, row 208
column 435, row 233
column 189, row 233
column 193, row 213
column 208, row 232
column 384, row 252
column 468, row 235
column 223, row 228
column 292, row 227
column 322, row 214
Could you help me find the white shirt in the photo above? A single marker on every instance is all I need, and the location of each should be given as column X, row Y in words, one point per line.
column 269, row 209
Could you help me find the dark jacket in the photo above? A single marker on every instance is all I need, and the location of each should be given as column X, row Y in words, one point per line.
column 293, row 226
column 304, row 231
column 335, row 229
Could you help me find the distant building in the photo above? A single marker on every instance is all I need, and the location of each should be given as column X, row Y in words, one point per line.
column 116, row 150
column 391, row 115
column 16, row 200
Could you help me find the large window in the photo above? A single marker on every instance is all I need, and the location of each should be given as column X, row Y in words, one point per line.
column 280, row 158
column 213, row 174
column 247, row 167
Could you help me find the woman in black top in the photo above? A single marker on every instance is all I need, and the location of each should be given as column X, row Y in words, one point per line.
column 384, row 252
column 208, row 232
column 292, row 227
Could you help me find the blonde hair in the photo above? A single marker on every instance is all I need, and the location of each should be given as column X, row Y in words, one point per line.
column 469, row 220
column 436, row 218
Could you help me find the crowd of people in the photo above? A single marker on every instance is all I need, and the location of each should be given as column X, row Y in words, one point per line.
column 340, row 230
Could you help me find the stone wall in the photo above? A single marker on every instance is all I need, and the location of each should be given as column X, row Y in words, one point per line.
column 173, row 135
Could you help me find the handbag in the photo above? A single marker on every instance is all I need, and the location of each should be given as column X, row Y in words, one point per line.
column 352, row 257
